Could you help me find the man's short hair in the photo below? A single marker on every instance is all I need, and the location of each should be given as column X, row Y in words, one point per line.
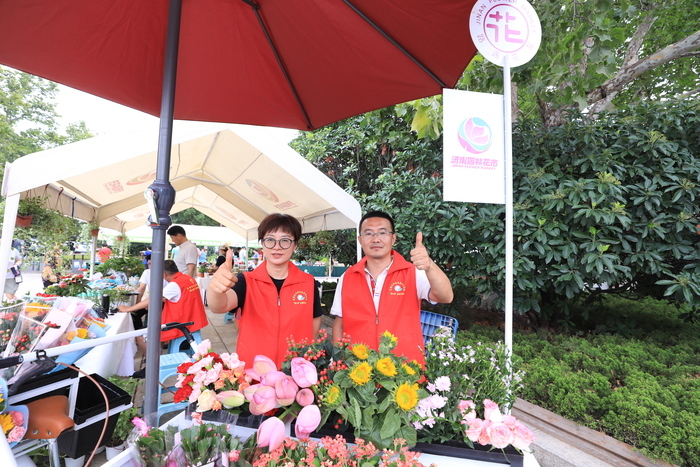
column 381, row 214
column 176, row 230
column 170, row 267
column 280, row 222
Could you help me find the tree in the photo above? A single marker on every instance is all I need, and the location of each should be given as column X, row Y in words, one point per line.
column 595, row 55
column 28, row 123
column 191, row 216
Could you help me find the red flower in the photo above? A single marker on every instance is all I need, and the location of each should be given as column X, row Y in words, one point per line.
column 182, row 394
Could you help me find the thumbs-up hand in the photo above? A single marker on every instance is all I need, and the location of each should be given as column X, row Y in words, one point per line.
column 224, row 278
column 419, row 255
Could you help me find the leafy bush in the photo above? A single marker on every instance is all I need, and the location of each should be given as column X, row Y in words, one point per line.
column 643, row 390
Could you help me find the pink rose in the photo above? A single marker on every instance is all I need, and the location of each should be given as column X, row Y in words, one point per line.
column 509, row 421
column 263, row 401
column 500, row 435
column 491, row 411
column 304, row 372
column 484, row 437
column 522, row 436
column 305, row 397
column 230, row 399
column 476, row 426
column 286, row 390
column 308, row 420
column 271, row 433
column 467, row 409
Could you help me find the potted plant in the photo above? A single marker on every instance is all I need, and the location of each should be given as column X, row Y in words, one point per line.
column 202, row 269
column 28, row 208
column 124, row 425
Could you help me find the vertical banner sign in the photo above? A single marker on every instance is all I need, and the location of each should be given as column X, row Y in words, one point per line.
column 473, row 155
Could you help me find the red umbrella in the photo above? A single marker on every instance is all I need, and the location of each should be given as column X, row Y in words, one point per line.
column 293, row 63
column 288, row 63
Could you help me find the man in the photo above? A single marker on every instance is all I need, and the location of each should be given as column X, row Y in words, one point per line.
column 187, row 253
column 104, row 253
column 12, row 272
column 183, row 303
column 383, row 291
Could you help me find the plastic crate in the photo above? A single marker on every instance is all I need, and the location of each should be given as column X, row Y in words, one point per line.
column 90, row 403
column 430, row 322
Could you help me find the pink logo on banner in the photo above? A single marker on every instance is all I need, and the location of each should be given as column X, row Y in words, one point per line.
column 474, row 135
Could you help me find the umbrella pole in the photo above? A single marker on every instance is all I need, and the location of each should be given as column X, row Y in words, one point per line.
column 165, row 197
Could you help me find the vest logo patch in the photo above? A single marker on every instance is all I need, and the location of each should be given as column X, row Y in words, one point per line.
column 397, row 288
column 300, row 298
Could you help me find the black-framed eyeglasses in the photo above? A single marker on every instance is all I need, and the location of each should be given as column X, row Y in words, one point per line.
column 382, row 234
column 284, row 243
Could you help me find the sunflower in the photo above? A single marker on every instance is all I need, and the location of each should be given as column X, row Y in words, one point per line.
column 386, row 366
column 6, row 423
column 361, row 373
column 406, row 396
column 408, row 370
column 392, row 338
column 360, row 351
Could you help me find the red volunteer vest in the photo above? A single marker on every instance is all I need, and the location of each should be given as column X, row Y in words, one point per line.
column 188, row 308
column 399, row 308
column 269, row 319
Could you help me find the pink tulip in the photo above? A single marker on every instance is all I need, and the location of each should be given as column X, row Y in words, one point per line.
column 262, row 365
column 231, row 399
column 304, row 372
column 271, row 377
column 305, row 397
column 250, row 390
column 271, row 433
column 263, row 401
column 286, row 390
column 308, row 420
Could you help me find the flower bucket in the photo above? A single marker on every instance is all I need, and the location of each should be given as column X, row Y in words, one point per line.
column 507, row 456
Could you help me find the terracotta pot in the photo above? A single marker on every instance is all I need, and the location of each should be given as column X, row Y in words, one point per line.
column 94, row 232
column 23, row 221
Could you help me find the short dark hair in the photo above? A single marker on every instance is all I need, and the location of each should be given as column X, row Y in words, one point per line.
column 176, row 230
column 170, row 267
column 381, row 214
column 279, row 222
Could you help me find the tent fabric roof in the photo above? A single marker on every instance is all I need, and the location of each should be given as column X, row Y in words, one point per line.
column 235, row 174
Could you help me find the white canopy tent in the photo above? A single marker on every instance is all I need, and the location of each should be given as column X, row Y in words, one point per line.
column 235, row 174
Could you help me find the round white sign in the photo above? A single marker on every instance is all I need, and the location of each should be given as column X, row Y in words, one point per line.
column 505, row 28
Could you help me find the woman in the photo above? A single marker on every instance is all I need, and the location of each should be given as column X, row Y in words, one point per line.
column 277, row 299
column 222, row 256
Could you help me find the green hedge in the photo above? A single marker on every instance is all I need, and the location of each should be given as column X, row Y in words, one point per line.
column 643, row 390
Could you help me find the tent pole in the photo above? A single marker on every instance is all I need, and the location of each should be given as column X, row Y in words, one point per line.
column 8, row 230
column 165, row 198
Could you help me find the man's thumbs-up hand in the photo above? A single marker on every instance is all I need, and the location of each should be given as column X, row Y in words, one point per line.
column 224, row 278
column 419, row 255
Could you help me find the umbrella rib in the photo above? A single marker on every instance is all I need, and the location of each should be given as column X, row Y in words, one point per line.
column 395, row 43
column 256, row 10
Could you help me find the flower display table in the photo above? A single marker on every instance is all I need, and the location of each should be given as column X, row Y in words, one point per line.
column 127, row 459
